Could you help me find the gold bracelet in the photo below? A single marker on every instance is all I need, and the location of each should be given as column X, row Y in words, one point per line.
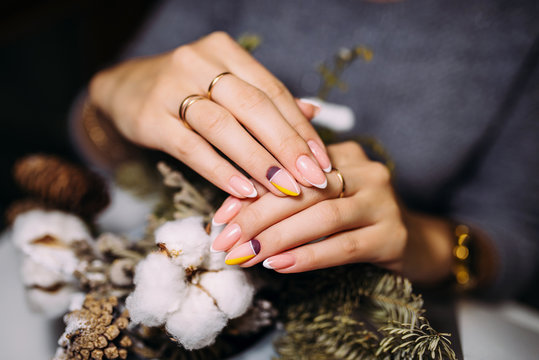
column 462, row 267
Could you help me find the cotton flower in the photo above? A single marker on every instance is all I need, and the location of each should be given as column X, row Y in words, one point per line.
column 198, row 321
column 186, row 288
column 35, row 274
column 231, row 290
column 159, row 289
column 185, row 240
column 45, row 236
column 52, row 303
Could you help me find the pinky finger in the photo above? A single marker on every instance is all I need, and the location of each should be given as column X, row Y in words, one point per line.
column 339, row 249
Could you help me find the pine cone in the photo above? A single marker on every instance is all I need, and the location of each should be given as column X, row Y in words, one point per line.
column 97, row 331
column 62, row 185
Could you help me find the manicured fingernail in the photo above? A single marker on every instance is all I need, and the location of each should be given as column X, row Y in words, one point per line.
column 243, row 253
column 227, row 238
column 311, row 172
column 230, row 208
column 320, row 155
column 279, row 262
column 243, row 186
column 316, row 106
column 283, row 181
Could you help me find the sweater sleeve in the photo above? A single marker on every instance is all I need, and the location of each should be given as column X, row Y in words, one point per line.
column 501, row 197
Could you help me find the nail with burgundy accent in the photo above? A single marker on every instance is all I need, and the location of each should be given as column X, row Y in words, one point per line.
column 243, row 253
column 283, row 181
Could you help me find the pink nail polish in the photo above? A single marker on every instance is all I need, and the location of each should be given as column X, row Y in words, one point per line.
column 283, row 181
column 230, row 208
column 311, row 172
column 320, row 155
column 242, row 186
column 243, row 253
column 227, row 238
column 279, row 262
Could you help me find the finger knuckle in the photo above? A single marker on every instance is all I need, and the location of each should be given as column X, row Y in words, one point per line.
column 275, row 89
column 330, row 214
column 251, row 98
column 185, row 147
column 289, row 142
column 350, row 245
column 379, row 172
column 217, row 121
column 219, row 36
column 184, row 55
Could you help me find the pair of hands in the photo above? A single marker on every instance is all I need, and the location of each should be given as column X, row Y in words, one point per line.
column 256, row 123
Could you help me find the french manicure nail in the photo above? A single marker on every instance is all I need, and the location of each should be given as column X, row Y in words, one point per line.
column 320, row 155
column 242, row 186
column 243, row 253
column 227, row 238
column 230, row 208
column 283, row 181
column 279, row 262
column 311, row 172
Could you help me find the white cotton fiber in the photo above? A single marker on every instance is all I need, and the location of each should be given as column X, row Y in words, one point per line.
column 185, row 239
column 198, row 322
column 37, row 274
column 215, row 261
column 159, row 290
column 51, row 303
column 231, row 289
column 35, row 224
column 56, row 259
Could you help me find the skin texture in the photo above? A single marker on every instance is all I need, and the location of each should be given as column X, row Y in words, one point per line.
column 252, row 118
column 367, row 225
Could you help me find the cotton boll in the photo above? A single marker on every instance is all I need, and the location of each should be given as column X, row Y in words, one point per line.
column 77, row 300
column 215, row 261
column 185, row 239
column 159, row 290
column 198, row 322
column 37, row 274
column 51, row 303
column 56, row 259
column 60, row 354
column 231, row 289
column 36, row 224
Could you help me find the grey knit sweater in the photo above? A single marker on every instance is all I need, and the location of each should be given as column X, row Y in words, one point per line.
column 452, row 93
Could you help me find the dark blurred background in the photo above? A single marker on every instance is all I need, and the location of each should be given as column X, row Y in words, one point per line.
column 48, row 52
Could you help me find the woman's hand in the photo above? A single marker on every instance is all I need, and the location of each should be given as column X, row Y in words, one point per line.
column 366, row 225
column 251, row 117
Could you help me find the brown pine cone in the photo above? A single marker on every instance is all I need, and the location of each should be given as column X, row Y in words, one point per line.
column 102, row 333
column 62, row 185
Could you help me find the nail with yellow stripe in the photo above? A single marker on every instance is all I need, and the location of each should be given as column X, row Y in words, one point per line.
column 283, row 181
column 243, row 253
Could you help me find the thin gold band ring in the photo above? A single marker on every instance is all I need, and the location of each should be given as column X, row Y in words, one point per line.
column 343, row 184
column 215, row 80
column 188, row 101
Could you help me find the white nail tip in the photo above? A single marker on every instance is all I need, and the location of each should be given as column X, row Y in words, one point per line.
column 266, row 264
column 328, row 169
column 215, row 223
column 253, row 194
column 214, row 251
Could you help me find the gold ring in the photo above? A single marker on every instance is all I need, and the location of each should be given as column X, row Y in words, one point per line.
column 215, row 80
column 188, row 101
column 343, row 184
